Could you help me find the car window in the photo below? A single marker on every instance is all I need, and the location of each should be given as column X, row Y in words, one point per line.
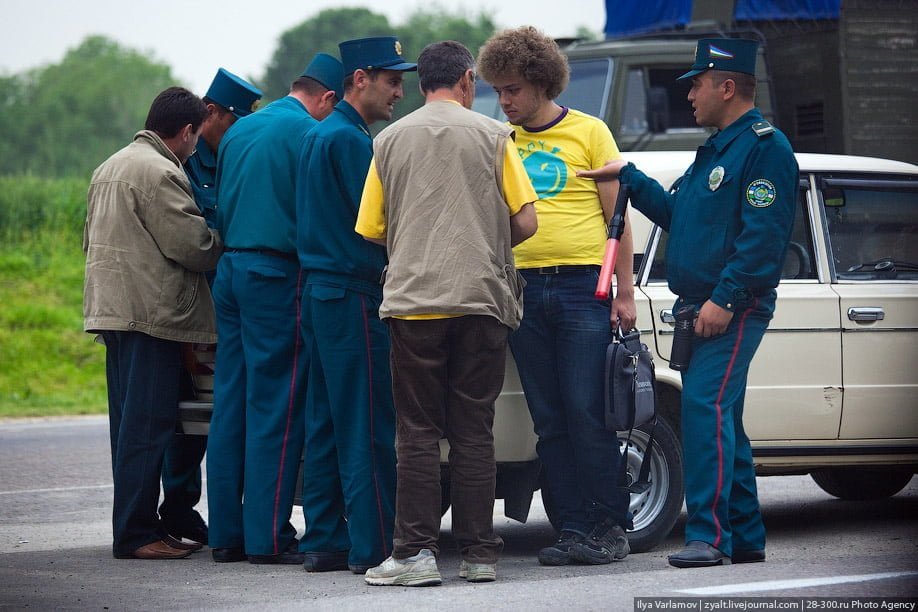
column 588, row 90
column 634, row 109
column 873, row 227
column 799, row 262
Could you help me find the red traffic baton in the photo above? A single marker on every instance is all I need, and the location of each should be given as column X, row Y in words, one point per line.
column 614, row 232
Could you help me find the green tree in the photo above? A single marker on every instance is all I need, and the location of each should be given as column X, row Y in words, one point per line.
column 426, row 26
column 324, row 31
column 321, row 33
column 66, row 118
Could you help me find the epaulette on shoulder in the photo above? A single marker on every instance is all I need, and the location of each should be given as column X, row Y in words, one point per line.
column 763, row 128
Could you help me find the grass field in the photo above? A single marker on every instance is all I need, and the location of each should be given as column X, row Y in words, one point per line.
column 48, row 365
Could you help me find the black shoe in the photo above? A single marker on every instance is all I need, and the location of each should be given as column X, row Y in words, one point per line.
column 290, row 556
column 559, row 553
column 228, row 555
column 325, row 561
column 195, row 533
column 360, row 569
column 748, row 556
column 191, row 527
column 605, row 544
column 698, row 554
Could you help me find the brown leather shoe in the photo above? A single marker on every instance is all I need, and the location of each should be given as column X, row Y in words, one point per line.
column 176, row 543
column 160, row 550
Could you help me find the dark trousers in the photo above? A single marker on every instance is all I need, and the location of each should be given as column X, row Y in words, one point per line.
column 142, row 373
column 349, row 470
column 446, row 374
column 182, row 482
column 720, row 491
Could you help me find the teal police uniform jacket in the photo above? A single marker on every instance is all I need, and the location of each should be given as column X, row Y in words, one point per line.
column 266, row 177
column 730, row 217
column 334, row 162
column 201, row 169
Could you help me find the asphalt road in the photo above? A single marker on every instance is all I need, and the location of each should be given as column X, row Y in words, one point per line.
column 55, row 551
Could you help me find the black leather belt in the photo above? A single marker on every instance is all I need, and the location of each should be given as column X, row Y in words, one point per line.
column 269, row 252
column 562, row 269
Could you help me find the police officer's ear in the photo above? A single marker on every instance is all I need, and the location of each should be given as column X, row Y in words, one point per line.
column 729, row 86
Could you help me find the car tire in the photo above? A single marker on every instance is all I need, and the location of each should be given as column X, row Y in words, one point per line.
column 861, row 483
column 656, row 510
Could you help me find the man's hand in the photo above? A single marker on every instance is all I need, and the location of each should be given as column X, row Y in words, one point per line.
column 624, row 310
column 606, row 173
column 712, row 320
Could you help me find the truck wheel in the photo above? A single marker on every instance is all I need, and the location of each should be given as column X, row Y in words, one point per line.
column 861, row 483
column 655, row 510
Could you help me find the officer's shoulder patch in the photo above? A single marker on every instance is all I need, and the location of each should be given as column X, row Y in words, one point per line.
column 763, row 128
column 761, row 193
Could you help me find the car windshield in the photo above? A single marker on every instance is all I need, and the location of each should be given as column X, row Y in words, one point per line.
column 587, row 91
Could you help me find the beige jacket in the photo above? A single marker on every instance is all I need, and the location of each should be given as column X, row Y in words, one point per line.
column 147, row 247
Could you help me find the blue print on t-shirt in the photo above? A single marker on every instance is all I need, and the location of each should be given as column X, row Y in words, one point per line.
column 547, row 172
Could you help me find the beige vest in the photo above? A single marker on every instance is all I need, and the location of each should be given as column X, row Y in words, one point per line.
column 448, row 226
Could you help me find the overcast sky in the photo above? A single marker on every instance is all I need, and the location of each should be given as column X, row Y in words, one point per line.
column 195, row 37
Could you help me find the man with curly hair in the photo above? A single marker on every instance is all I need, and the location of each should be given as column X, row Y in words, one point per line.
column 561, row 344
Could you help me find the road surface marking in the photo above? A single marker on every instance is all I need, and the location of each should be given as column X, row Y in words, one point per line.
column 775, row 585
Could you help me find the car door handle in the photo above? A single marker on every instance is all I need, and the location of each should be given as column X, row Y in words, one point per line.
column 866, row 313
column 667, row 316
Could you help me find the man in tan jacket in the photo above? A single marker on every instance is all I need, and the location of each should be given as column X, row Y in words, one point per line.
column 147, row 247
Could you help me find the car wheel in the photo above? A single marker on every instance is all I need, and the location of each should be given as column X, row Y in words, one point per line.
column 656, row 510
column 861, row 483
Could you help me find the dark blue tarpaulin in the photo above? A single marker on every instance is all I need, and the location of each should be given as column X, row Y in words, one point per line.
column 628, row 17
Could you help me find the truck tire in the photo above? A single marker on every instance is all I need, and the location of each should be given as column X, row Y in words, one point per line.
column 656, row 510
column 861, row 483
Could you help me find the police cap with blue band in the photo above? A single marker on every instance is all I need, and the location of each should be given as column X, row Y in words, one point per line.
column 376, row 53
column 233, row 93
column 728, row 54
column 327, row 70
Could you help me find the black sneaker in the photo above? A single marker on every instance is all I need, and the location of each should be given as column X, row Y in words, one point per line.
column 605, row 544
column 559, row 553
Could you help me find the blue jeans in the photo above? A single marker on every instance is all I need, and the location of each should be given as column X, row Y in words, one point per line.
column 560, row 350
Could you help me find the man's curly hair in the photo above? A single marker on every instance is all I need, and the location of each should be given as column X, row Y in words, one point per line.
column 528, row 53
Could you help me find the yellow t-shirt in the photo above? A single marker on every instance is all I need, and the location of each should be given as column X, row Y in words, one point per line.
column 371, row 217
column 572, row 228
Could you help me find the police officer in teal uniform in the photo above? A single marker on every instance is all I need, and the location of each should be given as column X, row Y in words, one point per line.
column 256, row 432
column 349, row 470
column 228, row 98
column 729, row 221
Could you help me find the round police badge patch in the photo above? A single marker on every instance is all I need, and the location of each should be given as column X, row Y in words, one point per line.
column 715, row 178
column 761, row 193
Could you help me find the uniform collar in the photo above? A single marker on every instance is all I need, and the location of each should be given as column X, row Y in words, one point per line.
column 344, row 107
column 721, row 139
column 206, row 157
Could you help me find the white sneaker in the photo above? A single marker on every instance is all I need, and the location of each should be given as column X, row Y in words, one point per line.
column 419, row 570
column 478, row 572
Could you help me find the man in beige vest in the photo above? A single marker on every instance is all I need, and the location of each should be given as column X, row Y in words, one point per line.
column 448, row 197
